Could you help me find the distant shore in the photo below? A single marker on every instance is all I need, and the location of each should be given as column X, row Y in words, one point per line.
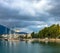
column 43, row 40
column 37, row 39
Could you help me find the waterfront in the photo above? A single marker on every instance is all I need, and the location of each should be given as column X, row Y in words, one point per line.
column 28, row 47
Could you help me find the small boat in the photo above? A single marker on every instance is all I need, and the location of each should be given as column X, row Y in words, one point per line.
column 21, row 39
column 6, row 39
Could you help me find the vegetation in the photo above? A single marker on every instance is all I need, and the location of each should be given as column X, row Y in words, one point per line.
column 1, row 36
column 50, row 32
column 34, row 35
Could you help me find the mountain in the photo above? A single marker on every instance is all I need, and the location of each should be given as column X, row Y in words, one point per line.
column 4, row 30
column 21, row 33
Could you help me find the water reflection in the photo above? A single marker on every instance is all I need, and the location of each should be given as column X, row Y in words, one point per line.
column 8, row 47
column 29, row 47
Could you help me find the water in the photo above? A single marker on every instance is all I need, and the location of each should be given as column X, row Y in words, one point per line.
column 27, row 47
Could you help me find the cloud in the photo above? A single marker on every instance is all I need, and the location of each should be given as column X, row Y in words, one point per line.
column 26, row 30
column 55, row 11
column 29, row 15
column 28, row 7
column 25, row 9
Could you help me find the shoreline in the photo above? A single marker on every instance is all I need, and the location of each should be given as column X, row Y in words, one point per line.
column 35, row 39
column 43, row 40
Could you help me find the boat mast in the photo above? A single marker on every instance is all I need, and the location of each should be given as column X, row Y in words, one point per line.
column 10, row 36
column 6, row 33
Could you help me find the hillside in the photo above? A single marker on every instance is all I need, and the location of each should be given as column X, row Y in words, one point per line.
column 52, row 31
column 5, row 30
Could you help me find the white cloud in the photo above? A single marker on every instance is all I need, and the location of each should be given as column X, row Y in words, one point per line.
column 28, row 7
column 42, row 26
column 26, row 30
column 38, row 26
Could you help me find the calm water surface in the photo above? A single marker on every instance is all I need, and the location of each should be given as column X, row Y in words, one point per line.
column 27, row 47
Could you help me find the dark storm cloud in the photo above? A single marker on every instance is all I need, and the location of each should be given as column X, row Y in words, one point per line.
column 7, row 13
column 26, row 13
column 55, row 11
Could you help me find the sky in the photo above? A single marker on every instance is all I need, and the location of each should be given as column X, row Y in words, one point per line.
column 29, row 15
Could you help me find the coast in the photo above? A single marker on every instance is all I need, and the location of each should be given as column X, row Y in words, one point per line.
column 36, row 39
column 43, row 40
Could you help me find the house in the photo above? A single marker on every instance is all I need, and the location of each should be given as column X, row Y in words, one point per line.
column 29, row 35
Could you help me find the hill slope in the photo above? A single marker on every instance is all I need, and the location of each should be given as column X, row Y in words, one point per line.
column 4, row 30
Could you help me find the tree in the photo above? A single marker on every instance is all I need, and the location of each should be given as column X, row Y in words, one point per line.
column 51, row 32
column 34, row 35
